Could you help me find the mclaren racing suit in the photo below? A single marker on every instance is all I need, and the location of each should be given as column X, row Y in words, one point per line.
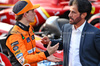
column 22, row 47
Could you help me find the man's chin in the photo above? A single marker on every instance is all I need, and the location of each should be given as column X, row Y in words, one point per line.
column 71, row 22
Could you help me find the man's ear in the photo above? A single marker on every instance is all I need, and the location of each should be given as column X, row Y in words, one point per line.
column 83, row 15
column 25, row 14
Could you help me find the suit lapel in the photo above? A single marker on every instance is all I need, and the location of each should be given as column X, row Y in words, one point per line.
column 66, row 39
column 82, row 39
column 69, row 38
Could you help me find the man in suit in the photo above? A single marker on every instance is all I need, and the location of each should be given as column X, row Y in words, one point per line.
column 80, row 40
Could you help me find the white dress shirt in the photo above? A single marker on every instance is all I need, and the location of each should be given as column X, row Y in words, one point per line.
column 74, row 59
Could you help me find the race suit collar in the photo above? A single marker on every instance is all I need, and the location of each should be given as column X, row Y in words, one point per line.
column 22, row 26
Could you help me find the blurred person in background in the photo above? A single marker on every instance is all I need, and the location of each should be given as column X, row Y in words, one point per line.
column 21, row 40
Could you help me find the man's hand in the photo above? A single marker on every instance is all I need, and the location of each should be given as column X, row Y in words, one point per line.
column 52, row 49
column 45, row 40
column 53, row 59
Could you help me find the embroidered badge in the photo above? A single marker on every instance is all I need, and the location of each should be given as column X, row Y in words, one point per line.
column 15, row 43
column 15, row 48
column 33, row 37
column 19, row 59
column 17, row 52
column 28, row 39
column 19, row 55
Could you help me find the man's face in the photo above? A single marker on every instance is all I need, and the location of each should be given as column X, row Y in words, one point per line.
column 31, row 16
column 74, row 15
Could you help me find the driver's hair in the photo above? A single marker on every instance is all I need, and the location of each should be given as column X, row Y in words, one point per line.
column 19, row 17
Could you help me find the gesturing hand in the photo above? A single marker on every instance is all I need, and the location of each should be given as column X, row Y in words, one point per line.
column 53, row 58
column 52, row 49
column 45, row 40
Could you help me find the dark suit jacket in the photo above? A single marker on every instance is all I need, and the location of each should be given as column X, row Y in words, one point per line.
column 89, row 50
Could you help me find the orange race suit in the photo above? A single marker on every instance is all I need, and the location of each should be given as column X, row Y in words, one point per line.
column 22, row 47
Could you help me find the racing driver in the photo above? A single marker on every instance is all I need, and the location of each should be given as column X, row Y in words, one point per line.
column 21, row 40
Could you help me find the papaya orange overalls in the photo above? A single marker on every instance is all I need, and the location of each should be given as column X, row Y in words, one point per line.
column 22, row 47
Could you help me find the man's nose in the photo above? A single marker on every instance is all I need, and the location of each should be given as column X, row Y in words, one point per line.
column 69, row 15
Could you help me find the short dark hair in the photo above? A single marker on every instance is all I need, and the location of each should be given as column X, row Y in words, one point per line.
column 83, row 6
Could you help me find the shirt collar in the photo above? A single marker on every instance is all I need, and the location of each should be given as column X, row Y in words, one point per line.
column 22, row 26
column 79, row 28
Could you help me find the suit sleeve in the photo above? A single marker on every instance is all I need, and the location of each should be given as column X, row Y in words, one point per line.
column 97, row 41
column 17, row 47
